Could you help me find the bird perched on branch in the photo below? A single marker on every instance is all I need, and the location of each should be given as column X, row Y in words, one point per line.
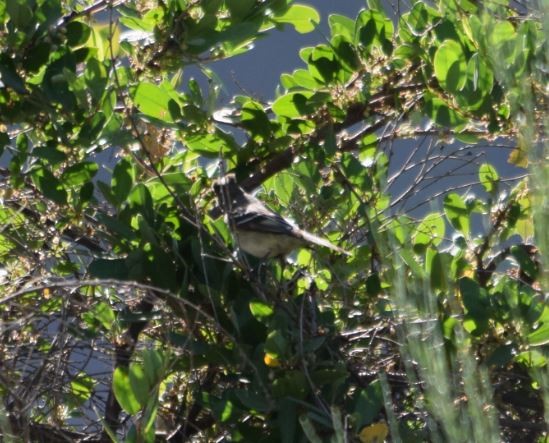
column 260, row 231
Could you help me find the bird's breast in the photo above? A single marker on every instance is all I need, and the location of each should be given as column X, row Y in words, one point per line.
column 267, row 245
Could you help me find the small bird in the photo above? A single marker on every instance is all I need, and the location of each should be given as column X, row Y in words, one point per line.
column 260, row 231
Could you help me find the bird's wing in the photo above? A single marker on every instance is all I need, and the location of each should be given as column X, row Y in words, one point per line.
column 257, row 217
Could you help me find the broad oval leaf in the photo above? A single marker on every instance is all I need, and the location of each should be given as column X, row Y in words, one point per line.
column 450, row 66
column 260, row 309
column 49, row 185
column 488, row 177
column 294, row 104
column 155, row 101
column 342, row 26
column 457, row 213
column 303, row 18
column 211, row 144
column 123, row 391
column 430, row 231
column 77, row 175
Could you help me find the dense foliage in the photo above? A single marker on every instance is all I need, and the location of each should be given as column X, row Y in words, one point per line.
column 128, row 314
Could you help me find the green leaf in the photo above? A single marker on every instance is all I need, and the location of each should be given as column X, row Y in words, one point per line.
column 145, row 23
column 153, row 365
column 346, row 56
column 323, row 63
column 139, row 383
column 303, row 18
column 19, row 12
column 430, row 231
column 439, row 271
column 122, row 180
column 457, row 212
column 276, row 344
column 367, row 404
column 450, row 66
column 342, row 26
column 488, row 177
column 540, row 336
column 156, row 102
column 211, row 144
column 103, row 313
column 527, row 265
column 421, row 18
column 355, row 172
column 286, row 420
column 373, row 28
column 479, row 83
column 49, row 185
column 77, row 33
column 291, row 384
column 293, row 104
column 476, row 302
column 96, row 78
column 412, row 263
column 239, row 9
column 260, row 310
column 255, row 119
column 123, row 391
column 140, row 199
column 503, row 41
column 51, row 153
column 284, row 185
column 438, row 110
column 77, row 175
column 82, row 387
column 533, row 359
column 299, row 79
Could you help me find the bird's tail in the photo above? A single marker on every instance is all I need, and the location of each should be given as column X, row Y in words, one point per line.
column 311, row 238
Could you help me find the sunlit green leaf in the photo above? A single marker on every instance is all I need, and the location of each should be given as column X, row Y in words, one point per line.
column 123, row 391
column 154, row 362
column 103, row 313
column 429, row 231
column 450, row 66
column 211, row 144
column 303, row 18
column 294, row 104
column 440, row 270
column 420, row 18
column 342, row 26
column 82, row 386
column 260, row 309
column 374, row 28
column 488, row 177
column 140, row 388
column 156, row 102
column 457, row 212
column 438, row 110
column 533, row 359
column 78, row 174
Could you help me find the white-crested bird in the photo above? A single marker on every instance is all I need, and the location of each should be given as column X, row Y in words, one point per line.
column 259, row 230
